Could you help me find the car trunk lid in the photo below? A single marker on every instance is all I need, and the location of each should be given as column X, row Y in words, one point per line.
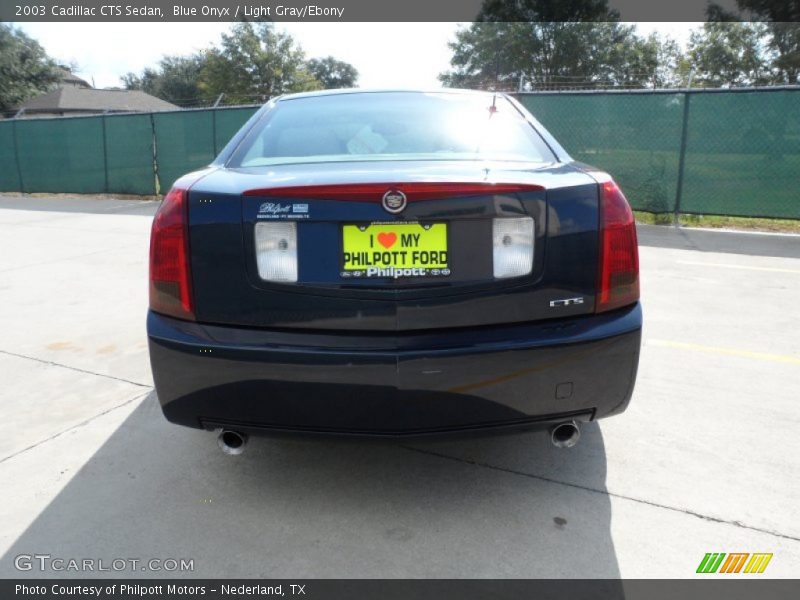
column 452, row 205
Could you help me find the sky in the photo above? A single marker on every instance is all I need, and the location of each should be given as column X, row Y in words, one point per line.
column 103, row 52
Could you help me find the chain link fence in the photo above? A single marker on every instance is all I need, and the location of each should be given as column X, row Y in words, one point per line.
column 122, row 154
column 715, row 152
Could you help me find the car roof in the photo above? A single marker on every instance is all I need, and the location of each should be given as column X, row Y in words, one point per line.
column 342, row 91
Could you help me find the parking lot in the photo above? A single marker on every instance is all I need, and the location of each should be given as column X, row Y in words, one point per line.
column 706, row 459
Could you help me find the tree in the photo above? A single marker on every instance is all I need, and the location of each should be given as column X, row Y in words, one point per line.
column 254, row 63
column 780, row 31
column 144, row 82
column 671, row 66
column 554, row 54
column 546, row 11
column 729, row 54
column 781, row 17
column 176, row 79
column 557, row 43
column 622, row 58
column 332, row 73
column 526, row 39
column 25, row 68
column 785, row 42
column 482, row 57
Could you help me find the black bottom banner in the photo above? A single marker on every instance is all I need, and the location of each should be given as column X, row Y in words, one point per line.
column 391, row 589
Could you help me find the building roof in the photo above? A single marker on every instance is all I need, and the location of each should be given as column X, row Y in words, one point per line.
column 78, row 99
column 69, row 77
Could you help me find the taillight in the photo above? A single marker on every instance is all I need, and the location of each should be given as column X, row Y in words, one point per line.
column 618, row 281
column 170, row 277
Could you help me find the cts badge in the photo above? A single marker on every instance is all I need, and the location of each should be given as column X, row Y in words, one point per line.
column 394, row 201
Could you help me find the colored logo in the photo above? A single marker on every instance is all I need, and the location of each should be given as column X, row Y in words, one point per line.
column 737, row 562
column 394, row 201
column 387, row 240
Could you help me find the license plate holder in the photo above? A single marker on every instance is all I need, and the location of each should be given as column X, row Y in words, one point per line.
column 394, row 250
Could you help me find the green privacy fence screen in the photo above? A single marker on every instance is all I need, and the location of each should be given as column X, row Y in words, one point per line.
column 725, row 152
column 716, row 152
column 122, row 154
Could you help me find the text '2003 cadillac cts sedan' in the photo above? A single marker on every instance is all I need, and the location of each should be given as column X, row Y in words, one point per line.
column 393, row 264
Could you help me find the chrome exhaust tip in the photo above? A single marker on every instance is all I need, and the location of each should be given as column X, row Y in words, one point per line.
column 565, row 435
column 232, row 442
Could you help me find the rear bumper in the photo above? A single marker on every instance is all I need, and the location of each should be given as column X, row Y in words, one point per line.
column 514, row 376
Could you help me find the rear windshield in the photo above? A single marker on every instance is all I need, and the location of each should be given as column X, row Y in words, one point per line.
column 391, row 126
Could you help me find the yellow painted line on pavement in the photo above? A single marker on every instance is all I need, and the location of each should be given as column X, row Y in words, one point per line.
column 780, row 358
column 745, row 267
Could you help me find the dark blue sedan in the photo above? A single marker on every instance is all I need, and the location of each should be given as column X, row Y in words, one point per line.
column 393, row 264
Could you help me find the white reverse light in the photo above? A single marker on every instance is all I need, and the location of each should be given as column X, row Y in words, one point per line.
column 276, row 251
column 512, row 239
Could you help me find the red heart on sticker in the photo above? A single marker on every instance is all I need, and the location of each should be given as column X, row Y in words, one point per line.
column 387, row 240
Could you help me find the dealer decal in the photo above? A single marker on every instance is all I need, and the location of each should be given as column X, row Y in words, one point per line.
column 278, row 210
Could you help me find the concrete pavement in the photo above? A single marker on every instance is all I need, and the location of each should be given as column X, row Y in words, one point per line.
column 704, row 460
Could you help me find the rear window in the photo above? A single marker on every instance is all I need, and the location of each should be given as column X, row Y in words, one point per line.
column 391, row 126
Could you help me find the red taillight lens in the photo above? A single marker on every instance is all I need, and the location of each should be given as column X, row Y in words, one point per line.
column 170, row 278
column 618, row 282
